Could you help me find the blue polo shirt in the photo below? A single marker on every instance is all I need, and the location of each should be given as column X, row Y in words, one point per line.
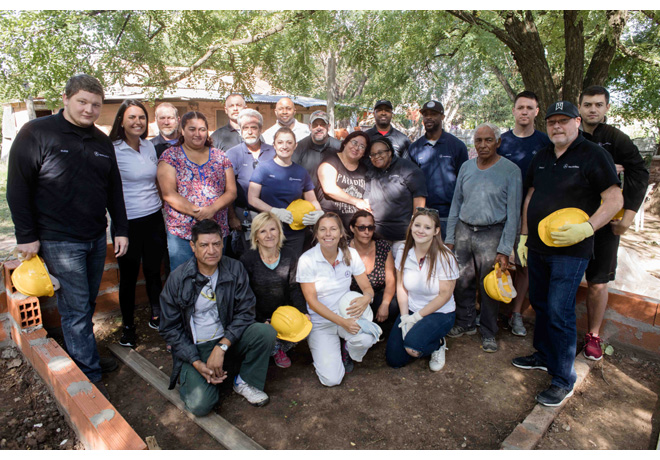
column 244, row 163
column 521, row 150
column 440, row 164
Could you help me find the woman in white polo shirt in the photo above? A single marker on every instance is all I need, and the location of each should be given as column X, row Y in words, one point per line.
column 426, row 275
column 137, row 161
column 325, row 273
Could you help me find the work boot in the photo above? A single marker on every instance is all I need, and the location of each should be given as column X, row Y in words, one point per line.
column 458, row 331
column 517, row 326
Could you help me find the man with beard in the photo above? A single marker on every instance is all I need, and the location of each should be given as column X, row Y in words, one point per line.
column 229, row 135
column 167, row 119
column 285, row 111
column 383, row 116
column 244, row 158
column 311, row 150
column 440, row 156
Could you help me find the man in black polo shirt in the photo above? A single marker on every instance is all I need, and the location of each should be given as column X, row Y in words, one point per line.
column 63, row 175
column 230, row 135
column 167, row 119
column 594, row 104
column 312, row 149
column 570, row 173
column 383, row 116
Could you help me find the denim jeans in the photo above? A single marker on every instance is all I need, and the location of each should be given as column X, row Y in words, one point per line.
column 79, row 267
column 553, row 283
column 178, row 249
column 424, row 337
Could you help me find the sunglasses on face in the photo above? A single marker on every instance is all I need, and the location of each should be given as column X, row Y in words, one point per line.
column 427, row 210
column 363, row 228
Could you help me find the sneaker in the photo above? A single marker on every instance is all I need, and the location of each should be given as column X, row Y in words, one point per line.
column 154, row 322
column 489, row 344
column 281, row 359
column 108, row 364
column 438, row 358
column 253, row 395
column 553, row 396
column 346, row 359
column 517, row 326
column 458, row 331
column 529, row 362
column 592, row 348
column 128, row 337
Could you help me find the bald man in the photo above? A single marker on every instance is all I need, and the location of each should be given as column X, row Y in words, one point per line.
column 285, row 111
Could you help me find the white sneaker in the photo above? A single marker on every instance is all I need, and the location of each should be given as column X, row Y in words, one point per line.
column 253, row 395
column 438, row 358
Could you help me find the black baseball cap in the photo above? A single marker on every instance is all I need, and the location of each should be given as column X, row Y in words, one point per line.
column 562, row 108
column 433, row 105
column 383, row 102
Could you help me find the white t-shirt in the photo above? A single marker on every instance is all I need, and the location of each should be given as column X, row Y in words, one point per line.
column 300, row 130
column 138, row 178
column 331, row 283
column 420, row 293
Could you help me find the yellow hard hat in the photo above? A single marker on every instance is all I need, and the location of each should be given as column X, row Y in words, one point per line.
column 291, row 324
column 558, row 219
column 31, row 278
column 498, row 285
column 299, row 208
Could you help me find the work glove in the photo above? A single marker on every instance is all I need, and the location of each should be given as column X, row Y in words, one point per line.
column 521, row 250
column 407, row 322
column 570, row 234
column 283, row 215
column 312, row 217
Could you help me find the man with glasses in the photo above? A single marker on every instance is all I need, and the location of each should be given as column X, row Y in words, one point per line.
column 244, row 158
column 383, row 110
column 167, row 119
column 440, row 156
column 594, row 104
column 285, row 111
column 228, row 136
column 311, row 150
column 395, row 187
column 571, row 173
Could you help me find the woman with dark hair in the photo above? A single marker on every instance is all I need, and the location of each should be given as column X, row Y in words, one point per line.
column 426, row 275
column 342, row 178
column 197, row 182
column 137, row 161
column 376, row 254
column 324, row 274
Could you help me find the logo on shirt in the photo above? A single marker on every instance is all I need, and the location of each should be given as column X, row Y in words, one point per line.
column 571, row 167
column 272, row 175
column 64, row 151
column 347, row 274
column 295, row 178
column 100, row 155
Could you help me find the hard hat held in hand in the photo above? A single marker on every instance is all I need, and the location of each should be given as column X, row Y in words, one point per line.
column 345, row 302
column 499, row 285
column 31, row 278
column 299, row 208
column 558, row 219
column 291, row 324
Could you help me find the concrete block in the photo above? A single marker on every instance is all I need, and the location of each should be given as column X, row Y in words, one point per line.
column 521, row 438
column 540, row 419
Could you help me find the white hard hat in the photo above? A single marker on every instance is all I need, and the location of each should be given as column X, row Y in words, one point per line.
column 345, row 302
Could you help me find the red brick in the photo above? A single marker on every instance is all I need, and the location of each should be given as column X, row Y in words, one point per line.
column 3, row 303
column 3, row 332
column 110, row 254
column 26, row 312
column 633, row 306
column 110, row 279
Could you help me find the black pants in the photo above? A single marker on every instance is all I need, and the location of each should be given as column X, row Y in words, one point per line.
column 147, row 244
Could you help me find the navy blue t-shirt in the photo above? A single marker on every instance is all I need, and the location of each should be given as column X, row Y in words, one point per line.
column 521, row 150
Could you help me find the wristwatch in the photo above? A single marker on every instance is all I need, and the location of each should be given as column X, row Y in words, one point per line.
column 224, row 347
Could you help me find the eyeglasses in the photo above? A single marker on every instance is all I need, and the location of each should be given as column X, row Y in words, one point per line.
column 358, row 146
column 363, row 228
column 380, row 153
column 562, row 122
column 428, row 210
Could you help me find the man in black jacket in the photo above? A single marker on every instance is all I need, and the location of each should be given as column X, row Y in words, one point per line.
column 208, row 317
column 383, row 110
column 594, row 104
column 62, row 177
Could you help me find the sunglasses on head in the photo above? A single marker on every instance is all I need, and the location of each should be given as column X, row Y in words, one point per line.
column 362, row 228
column 428, row 210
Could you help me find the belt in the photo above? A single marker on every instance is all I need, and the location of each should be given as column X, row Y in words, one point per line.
column 481, row 228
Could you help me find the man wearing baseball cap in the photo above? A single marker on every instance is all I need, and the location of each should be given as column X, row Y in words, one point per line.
column 383, row 128
column 440, row 156
column 572, row 172
column 312, row 149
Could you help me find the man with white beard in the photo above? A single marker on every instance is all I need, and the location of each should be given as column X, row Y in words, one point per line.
column 245, row 157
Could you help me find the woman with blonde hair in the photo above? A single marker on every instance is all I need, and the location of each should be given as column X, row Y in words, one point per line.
column 426, row 275
column 272, row 271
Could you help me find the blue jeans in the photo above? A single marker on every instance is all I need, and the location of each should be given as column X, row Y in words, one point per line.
column 178, row 249
column 553, row 283
column 78, row 267
column 424, row 337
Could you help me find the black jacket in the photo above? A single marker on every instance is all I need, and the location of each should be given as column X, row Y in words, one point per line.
column 236, row 307
column 400, row 141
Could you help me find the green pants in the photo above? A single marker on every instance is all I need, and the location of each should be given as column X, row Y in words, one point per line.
column 252, row 350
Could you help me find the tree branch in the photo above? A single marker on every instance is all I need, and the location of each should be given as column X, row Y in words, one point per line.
column 633, row 54
column 123, row 28
column 651, row 15
column 503, row 80
column 605, row 48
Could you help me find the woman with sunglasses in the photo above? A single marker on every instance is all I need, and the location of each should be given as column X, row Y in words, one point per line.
column 137, row 162
column 342, row 178
column 376, row 254
column 426, row 275
column 395, row 187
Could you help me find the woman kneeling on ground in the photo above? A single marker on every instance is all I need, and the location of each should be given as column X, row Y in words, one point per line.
column 426, row 275
column 272, row 272
column 324, row 274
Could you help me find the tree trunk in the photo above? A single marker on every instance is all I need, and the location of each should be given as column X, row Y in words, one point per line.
column 29, row 104
column 573, row 57
column 330, row 89
column 605, row 49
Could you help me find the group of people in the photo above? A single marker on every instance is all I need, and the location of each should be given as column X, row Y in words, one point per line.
column 412, row 228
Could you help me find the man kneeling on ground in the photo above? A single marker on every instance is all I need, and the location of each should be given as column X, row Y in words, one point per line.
column 208, row 317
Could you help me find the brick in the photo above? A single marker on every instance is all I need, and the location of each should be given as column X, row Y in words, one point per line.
column 521, row 438
column 110, row 254
column 3, row 303
column 26, row 312
column 539, row 419
column 633, row 306
column 110, row 279
column 109, row 302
